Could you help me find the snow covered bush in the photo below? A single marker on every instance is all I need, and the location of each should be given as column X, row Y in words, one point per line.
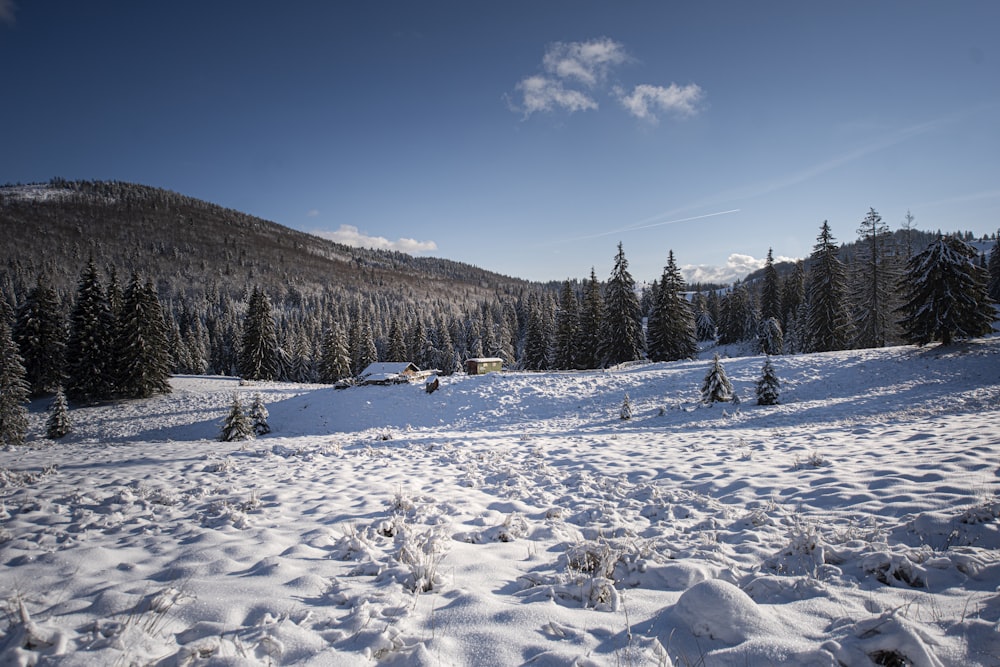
column 238, row 424
column 626, row 412
column 716, row 388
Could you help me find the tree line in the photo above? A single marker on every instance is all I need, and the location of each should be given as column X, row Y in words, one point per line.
column 109, row 341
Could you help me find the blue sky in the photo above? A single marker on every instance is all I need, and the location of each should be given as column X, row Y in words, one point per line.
column 523, row 137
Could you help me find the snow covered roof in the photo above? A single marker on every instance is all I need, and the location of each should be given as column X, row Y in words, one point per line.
column 387, row 371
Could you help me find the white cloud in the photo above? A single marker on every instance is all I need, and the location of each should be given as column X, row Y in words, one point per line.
column 646, row 100
column 350, row 235
column 736, row 268
column 7, row 9
column 540, row 93
column 587, row 62
column 574, row 72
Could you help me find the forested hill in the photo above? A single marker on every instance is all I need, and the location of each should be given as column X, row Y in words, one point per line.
column 186, row 244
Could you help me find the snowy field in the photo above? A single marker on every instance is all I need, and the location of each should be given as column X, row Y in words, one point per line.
column 515, row 519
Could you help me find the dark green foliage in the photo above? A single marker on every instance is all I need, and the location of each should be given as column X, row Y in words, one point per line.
column 828, row 325
column 716, row 388
column 591, row 324
column 335, row 362
column 946, row 295
column 621, row 334
column 397, row 346
column 768, row 386
column 142, row 361
column 567, row 329
column 671, row 325
column 40, row 334
column 994, row 270
column 13, row 390
column 875, row 278
column 770, row 293
column 90, row 349
column 58, row 424
column 538, row 335
column 258, row 358
column 238, row 424
column 738, row 316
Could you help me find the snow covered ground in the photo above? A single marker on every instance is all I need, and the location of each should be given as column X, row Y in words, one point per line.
column 514, row 518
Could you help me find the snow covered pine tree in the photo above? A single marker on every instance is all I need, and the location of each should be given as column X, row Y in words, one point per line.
column 768, row 385
column 716, row 388
column 945, row 294
column 238, row 424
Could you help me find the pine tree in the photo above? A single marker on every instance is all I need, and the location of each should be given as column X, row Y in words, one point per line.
column 946, row 295
column 626, row 411
column 397, row 346
column 716, row 387
column 238, row 424
column 770, row 293
column 142, row 360
column 621, row 335
column 40, row 334
column 58, row 424
column 828, row 326
column 537, row 337
column 258, row 359
column 705, row 326
column 770, row 339
column 994, row 270
column 13, row 390
column 591, row 315
column 671, row 325
column 259, row 415
column 874, row 284
column 567, row 333
column 335, row 362
column 90, row 349
column 768, row 386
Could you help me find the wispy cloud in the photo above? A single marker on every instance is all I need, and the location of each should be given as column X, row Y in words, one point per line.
column 350, row 235
column 575, row 73
column 646, row 100
column 312, row 213
column 649, row 224
column 7, row 9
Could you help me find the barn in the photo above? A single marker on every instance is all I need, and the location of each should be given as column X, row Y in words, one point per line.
column 483, row 365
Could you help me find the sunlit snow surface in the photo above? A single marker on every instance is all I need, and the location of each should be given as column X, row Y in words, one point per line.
column 514, row 518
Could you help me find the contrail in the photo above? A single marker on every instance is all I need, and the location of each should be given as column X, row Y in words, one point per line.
column 655, row 224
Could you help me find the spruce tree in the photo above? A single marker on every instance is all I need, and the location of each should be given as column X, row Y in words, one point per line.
column 397, row 346
column 238, row 425
column 768, row 386
column 993, row 288
column 770, row 293
column 874, row 285
column 335, row 362
column 40, row 334
column 591, row 315
column 90, row 349
column 828, row 325
column 537, row 336
column 567, row 319
column 259, row 415
column 770, row 338
column 705, row 326
column 13, row 390
column 671, row 326
column 259, row 359
column 142, row 360
column 58, row 425
column 621, row 334
column 716, row 388
column 946, row 295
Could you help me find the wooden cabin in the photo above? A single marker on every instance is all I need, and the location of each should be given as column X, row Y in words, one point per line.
column 483, row 365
